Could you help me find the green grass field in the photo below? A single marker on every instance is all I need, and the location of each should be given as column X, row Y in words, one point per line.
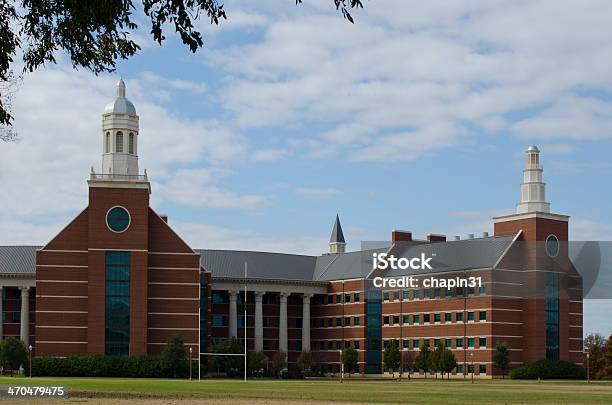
column 413, row 392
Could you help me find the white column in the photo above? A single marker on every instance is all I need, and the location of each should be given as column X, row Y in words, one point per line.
column 282, row 323
column 233, row 320
column 25, row 315
column 259, row 320
column 306, row 322
column 1, row 316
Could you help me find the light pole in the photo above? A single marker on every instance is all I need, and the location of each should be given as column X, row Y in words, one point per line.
column 30, row 355
column 472, row 365
column 588, row 369
column 341, row 366
column 190, row 352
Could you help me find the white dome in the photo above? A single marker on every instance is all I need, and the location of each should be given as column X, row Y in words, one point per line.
column 121, row 104
column 533, row 148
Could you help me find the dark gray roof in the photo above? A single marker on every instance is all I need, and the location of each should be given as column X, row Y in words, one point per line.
column 447, row 256
column 281, row 266
column 18, row 259
column 337, row 235
column 454, row 255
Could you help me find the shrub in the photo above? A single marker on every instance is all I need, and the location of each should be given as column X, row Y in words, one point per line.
column 549, row 369
column 108, row 366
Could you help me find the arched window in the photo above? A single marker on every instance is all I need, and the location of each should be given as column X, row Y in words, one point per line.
column 131, row 143
column 119, row 142
column 107, row 143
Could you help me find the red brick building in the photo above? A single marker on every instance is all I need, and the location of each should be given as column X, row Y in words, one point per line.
column 117, row 280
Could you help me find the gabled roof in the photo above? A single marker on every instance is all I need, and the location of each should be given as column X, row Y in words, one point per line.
column 18, row 259
column 337, row 236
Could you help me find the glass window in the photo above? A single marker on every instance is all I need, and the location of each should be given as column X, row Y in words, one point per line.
column 16, row 316
column 436, row 342
column 386, row 320
column 447, row 343
column 415, row 343
column 217, row 320
column 436, row 293
column 458, row 342
column 415, row 319
column 396, row 295
column 460, row 369
column 406, row 319
column 426, row 293
column 338, row 298
column 482, row 315
column 470, row 316
column 405, row 295
column 552, row 245
column 347, row 297
column 356, row 344
column 118, row 219
column 482, row 290
column 386, row 296
column 396, row 319
column 426, row 318
column 406, row 344
column 131, row 143
column 347, row 321
column 117, row 303
column 330, row 322
column 482, row 342
column 356, row 321
column 470, row 368
column 217, row 298
column 436, row 317
column 447, row 317
column 321, row 322
column 356, row 297
column 426, row 342
column 471, row 342
column 330, row 299
column 459, row 317
column 107, row 142
column 338, row 344
column 338, row 321
column 119, row 142
column 415, row 294
column 482, row 368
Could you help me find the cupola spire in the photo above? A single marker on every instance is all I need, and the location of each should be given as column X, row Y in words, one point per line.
column 533, row 189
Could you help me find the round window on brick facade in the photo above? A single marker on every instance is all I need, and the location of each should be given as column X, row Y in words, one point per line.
column 118, row 219
column 552, row 245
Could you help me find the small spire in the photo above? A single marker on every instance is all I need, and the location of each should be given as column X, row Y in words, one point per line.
column 121, row 88
column 337, row 236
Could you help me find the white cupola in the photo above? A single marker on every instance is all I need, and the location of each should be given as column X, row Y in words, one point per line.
column 120, row 136
column 533, row 189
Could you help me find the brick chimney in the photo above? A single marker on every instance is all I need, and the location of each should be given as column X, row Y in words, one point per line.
column 401, row 236
column 432, row 237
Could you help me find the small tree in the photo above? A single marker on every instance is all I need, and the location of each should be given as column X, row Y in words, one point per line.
column 447, row 362
column 594, row 346
column 391, row 357
column 607, row 359
column 435, row 358
column 279, row 362
column 501, row 358
column 232, row 365
column 423, row 359
column 349, row 359
column 256, row 361
column 13, row 353
column 174, row 354
column 307, row 362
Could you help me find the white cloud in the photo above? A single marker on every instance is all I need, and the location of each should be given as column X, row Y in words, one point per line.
column 385, row 84
column 317, row 193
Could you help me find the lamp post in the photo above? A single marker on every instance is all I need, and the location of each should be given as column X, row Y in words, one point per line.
column 341, row 366
column 472, row 365
column 30, row 355
column 588, row 369
column 190, row 352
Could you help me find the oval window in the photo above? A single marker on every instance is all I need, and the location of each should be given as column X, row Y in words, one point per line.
column 552, row 246
column 118, row 219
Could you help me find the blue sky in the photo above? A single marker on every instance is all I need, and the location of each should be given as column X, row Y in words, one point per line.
column 415, row 117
